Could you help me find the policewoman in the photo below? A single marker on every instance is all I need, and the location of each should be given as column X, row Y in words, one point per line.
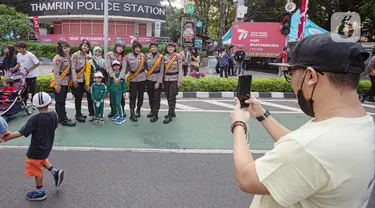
column 136, row 67
column 60, row 81
column 118, row 54
column 172, row 79
column 154, row 80
column 81, row 73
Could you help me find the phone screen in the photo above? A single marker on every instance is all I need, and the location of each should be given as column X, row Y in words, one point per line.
column 244, row 89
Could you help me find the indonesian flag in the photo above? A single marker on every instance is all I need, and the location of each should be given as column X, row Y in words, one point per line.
column 302, row 18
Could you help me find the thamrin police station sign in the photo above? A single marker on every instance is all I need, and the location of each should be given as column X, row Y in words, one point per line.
column 93, row 7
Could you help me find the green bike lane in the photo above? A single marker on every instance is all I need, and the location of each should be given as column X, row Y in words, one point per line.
column 190, row 130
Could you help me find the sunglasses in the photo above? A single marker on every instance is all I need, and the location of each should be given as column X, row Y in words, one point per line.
column 289, row 73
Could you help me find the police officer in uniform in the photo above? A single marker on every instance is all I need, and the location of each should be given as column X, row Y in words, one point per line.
column 172, row 78
column 81, row 72
column 154, row 80
column 136, row 66
column 61, row 78
column 118, row 54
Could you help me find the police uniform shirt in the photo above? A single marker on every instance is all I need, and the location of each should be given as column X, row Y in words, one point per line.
column 133, row 65
column 59, row 65
column 78, row 62
column 111, row 57
column 157, row 75
column 175, row 71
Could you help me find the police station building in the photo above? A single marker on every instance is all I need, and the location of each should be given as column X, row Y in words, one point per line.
column 73, row 20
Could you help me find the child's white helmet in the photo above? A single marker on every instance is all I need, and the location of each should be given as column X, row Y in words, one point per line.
column 41, row 100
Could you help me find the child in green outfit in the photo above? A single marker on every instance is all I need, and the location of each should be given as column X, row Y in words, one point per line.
column 98, row 94
column 116, row 92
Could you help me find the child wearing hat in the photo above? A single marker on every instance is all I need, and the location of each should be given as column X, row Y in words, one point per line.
column 117, row 92
column 98, row 93
column 42, row 128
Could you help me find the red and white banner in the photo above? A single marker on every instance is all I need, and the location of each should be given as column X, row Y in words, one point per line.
column 302, row 18
column 95, row 40
column 36, row 26
column 262, row 39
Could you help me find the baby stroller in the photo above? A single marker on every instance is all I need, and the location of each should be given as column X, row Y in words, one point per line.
column 16, row 104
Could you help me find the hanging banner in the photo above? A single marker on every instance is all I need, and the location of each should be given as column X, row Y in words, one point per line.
column 188, row 31
column 302, row 18
column 36, row 26
column 157, row 28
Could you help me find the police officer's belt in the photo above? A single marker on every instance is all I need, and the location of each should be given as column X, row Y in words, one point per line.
column 139, row 72
column 156, row 71
column 172, row 73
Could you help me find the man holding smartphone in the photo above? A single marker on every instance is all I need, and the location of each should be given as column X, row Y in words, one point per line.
column 329, row 161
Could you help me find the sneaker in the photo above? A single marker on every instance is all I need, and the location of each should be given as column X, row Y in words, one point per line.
column 91, row 118
column 115, row 117
column 120, row 120
column 101, row 121
column 59, row 177
column 96, row 121
column 36, row 196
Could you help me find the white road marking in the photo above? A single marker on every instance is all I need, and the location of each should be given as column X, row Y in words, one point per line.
column 180, row 106
column 225, row 105
column 369, row 106
column 142, row 150
column 280, row 106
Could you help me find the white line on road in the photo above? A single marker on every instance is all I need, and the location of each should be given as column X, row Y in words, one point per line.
column 369, row 106
column 281, row 106
column 142, row 150
column 180, row 106
column 225, row 105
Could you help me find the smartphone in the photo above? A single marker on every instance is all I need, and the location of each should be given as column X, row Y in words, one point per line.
column 244, row 89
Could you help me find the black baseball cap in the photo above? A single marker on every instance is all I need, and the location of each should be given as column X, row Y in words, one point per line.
column 324, row 54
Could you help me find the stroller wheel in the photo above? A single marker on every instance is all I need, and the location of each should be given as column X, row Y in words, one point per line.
column 29, row 110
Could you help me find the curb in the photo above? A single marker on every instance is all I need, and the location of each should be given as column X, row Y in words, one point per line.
column 279, row 95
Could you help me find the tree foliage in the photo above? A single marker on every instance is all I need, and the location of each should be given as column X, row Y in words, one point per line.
column 13, row 21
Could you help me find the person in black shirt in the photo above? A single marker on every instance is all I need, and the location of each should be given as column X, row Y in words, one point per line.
column 42, row 128
column 239, row 57
column 9, row 65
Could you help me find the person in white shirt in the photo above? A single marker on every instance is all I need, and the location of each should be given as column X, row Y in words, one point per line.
column 186, row 59
column 29, row 65
column 329, row 161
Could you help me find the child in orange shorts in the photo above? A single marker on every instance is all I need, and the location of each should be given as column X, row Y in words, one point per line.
column 42, row 128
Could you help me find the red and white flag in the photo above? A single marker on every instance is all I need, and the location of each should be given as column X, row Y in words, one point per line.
column 36, row 26
column 302, row 18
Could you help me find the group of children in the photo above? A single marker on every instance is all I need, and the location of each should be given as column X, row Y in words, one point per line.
column 116, row 93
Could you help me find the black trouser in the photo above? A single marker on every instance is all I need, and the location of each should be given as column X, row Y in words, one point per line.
column 90, row 104
column 171, row 91
column 231, row 68
column 30, row 87
column 60, row 99
column 225, row 69
column 370, row 92
column 153, row 95
column 185, row 68
column 137, row 89
column 78, row 94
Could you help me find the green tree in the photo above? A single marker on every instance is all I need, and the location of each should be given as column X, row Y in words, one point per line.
column 13, row 21
column 173, row 21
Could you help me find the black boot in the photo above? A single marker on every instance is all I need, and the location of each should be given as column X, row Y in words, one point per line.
column 151, row 114
column 138, row 113
column 167, row 119
column 155, row 116
column 80, row 118
column 132, row 116
column 68, row 122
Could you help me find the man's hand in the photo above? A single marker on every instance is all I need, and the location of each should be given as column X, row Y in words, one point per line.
column 255, row 108
column 238, row 114
column 157, row 85
column 88, row 88
column 179, row 84
column 124, row 96
column 27, row 69
column 58, row 89
column 75, row 84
